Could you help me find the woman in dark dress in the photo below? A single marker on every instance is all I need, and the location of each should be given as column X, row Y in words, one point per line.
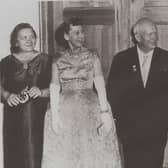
column 25, row 77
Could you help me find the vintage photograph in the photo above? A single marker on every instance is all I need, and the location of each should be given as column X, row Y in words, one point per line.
column 84, row 84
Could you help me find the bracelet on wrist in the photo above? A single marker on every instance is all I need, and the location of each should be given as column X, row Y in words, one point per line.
column 44, row 93
column 104, row 111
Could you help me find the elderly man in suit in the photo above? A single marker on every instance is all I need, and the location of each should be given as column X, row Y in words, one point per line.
column 138, row 93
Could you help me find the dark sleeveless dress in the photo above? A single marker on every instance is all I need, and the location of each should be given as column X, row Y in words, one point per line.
column 23, row 124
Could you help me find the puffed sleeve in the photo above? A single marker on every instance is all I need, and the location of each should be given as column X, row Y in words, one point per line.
column 4, row 93
column 45, row 77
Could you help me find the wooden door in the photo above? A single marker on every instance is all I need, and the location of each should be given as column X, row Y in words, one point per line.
column 98, row 20
column 157, row 10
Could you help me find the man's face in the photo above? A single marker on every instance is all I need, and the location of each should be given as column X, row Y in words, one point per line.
column 148, row 37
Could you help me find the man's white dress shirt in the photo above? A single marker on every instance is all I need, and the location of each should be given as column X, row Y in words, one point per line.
column 145, row 63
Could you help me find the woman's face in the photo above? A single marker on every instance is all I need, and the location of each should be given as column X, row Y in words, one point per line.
column 26, row 40
column 75, row 37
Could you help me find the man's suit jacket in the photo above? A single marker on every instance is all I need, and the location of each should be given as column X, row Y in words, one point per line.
column 140, row 112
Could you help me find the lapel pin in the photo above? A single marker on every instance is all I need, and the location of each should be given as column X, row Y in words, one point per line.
column 134, row 68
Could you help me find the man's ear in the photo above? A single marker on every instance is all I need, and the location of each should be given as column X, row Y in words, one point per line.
column 16, row 44
column 137, row 37
column 66, row 36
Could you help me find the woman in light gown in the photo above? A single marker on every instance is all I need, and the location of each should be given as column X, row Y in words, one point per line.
column 79, row 128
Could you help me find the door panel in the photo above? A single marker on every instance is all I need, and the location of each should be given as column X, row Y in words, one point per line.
column 163, row 36
column 158, row 11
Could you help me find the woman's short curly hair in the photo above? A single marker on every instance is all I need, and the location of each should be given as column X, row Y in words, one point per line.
column 14, row 34
column 64, row 28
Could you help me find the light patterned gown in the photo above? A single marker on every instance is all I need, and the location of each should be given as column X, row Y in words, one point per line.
column 77, row 144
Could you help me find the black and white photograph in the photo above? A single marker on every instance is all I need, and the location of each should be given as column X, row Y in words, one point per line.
column 84, row 84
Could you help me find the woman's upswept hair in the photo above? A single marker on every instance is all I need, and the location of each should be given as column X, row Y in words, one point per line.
column 14, row 34
column 64, row 28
